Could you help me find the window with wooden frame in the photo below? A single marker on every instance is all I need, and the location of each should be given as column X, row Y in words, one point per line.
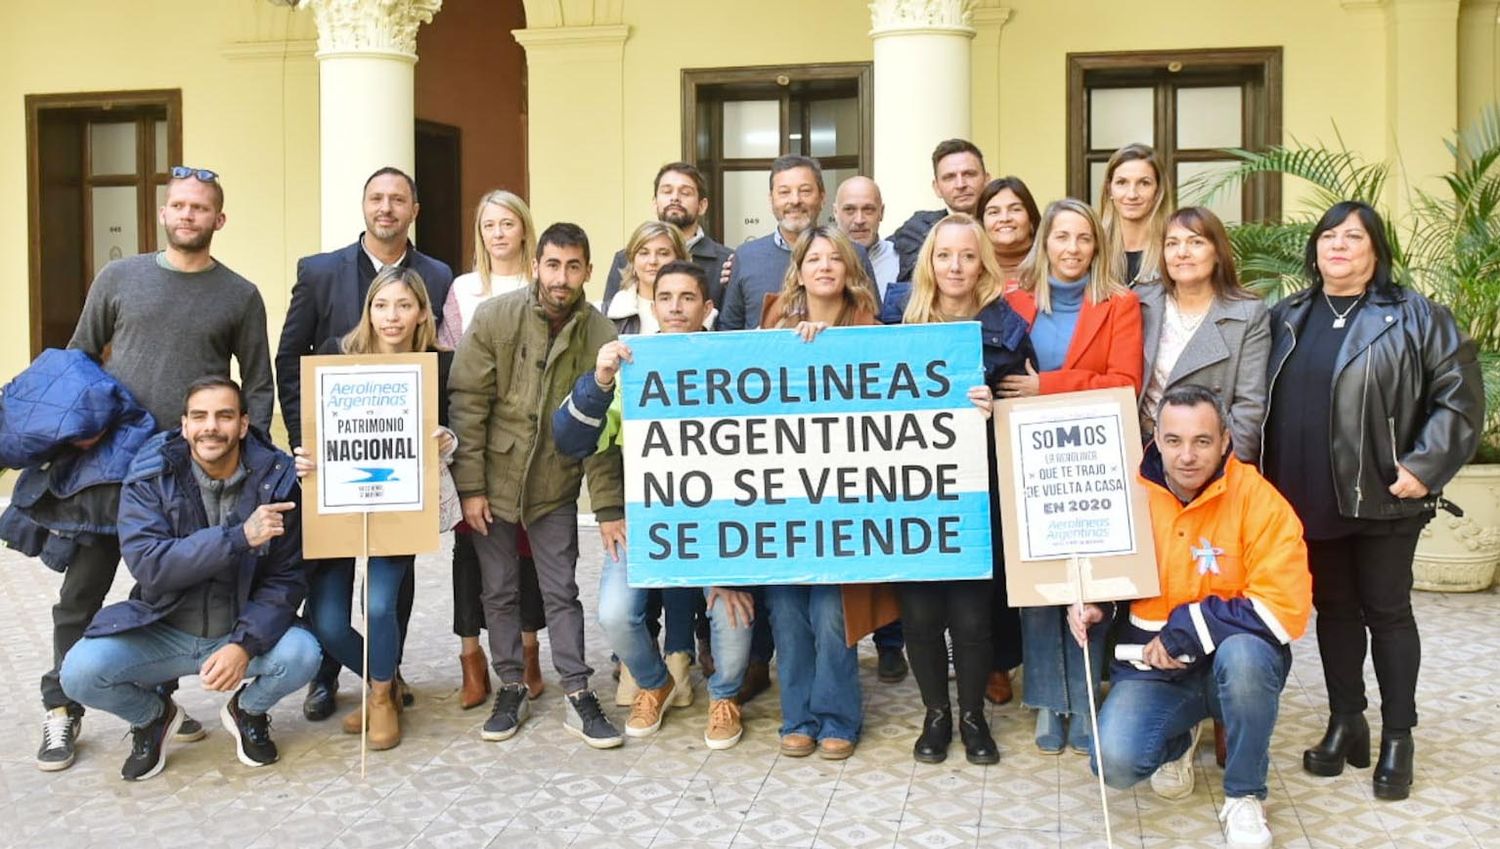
column 97, row 172
column 1190, row 105
column 737, row 121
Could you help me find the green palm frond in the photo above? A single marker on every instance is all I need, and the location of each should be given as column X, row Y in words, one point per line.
column 1334, row 175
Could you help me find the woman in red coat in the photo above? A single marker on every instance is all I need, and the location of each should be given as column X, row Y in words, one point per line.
column 1086, row 329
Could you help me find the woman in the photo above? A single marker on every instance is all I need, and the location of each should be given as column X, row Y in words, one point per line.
column 1086, row 328
column 1202, row 327
column 825, row 286
column 1010, row 216
column 651, row 246
column 504, row 251
column 1375, row 403
column 397, row 319
column 957, row 279
column 1133, row 205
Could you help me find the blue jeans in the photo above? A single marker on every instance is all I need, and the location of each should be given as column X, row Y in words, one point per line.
column 1145, row 723
column 819, row 672
column 622, row 614
column 1054, row 662
column 330, row 602
column 119, row 673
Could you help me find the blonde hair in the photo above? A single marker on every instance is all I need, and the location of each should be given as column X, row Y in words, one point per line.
column 482, row 262
column 923, row 306
column 1036, row 269
column 1114, row 232
column 646, row 232
column 859, row 292
column 361, row 340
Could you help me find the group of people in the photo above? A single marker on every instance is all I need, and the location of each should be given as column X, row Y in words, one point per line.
column 1292, row 457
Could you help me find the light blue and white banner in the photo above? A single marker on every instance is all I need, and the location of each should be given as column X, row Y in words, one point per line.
column 757, row 458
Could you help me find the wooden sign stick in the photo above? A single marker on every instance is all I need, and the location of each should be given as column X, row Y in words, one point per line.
column 364, row 691
column 1076, row 568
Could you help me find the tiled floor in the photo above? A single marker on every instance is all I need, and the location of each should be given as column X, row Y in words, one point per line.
column 445, row 788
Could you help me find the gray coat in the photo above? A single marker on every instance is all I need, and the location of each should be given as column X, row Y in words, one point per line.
column 1228, row 354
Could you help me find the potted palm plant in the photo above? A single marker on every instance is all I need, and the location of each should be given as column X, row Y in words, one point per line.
column 1447, row 246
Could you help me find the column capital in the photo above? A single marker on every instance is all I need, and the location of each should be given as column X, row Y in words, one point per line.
column 386, row 27
column 908, row 17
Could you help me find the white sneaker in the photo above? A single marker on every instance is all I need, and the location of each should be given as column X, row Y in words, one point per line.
column 1245, row 824
column 1174, row 779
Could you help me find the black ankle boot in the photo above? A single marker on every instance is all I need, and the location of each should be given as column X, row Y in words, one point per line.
column 1393, row 771
column 937, row 733
column 979, row 746
column 1346, row 740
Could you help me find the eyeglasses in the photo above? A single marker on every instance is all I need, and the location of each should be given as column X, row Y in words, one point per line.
column 203, row 175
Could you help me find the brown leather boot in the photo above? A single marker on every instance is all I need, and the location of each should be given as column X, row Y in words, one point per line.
column 352, row 721
column 999, row 690
column 385, row 721
column 476, row 687
column 532, row 675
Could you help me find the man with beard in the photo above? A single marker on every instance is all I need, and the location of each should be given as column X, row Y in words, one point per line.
column 167, row 319
column 326, row 303
column 514, row 366
column 681, row 199
column 958, row 176
column 760, row 265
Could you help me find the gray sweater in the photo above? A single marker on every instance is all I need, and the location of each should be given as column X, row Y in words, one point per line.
column 167, row 328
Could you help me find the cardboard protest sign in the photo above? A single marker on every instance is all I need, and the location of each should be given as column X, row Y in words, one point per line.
column 1068, row 466
column 367, row 420
column 757, row 458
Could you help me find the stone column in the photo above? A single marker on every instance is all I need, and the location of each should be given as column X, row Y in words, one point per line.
column 367, row 54
column 1422, row 91
column 1478, row 58
column 922, row 85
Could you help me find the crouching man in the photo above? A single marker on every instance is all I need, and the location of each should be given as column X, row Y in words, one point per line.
column 1217, row 642
column 209, row 529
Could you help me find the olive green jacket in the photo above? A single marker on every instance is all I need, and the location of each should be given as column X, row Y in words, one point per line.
column 506, row 380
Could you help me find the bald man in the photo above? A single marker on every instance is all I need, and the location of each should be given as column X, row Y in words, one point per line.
column 858, row 209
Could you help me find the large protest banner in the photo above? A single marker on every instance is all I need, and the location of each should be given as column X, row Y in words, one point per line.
column 757, row 458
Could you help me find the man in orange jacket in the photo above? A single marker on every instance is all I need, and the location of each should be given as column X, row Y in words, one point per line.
column 1235, row 592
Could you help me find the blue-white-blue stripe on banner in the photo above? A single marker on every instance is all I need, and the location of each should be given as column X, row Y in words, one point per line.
column 757, row 458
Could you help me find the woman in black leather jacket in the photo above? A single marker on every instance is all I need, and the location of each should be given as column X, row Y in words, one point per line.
column 1375, row 401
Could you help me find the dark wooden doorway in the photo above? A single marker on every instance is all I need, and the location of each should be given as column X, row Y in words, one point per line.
column 439, row 175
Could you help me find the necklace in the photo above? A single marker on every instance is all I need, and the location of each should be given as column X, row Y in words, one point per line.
column 1339, row 318
column 1188, row 323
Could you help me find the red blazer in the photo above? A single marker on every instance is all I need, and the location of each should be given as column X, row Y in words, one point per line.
column 1107, row 348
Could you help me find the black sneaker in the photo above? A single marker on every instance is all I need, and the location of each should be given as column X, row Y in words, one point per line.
column 251, row 732
column 60, row 731
column 511, row 709
column 191, row 731
column 148, row 745
column 891, row 665
column 587, row 720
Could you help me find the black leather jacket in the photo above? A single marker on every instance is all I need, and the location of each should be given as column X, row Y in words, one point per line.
column 1406, row 388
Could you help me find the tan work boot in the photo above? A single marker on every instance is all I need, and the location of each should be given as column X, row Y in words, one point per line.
column 649, row 707
column 724, row 728
column 531, row 676
column 385, row 720
column 679, row 665
column 625, row 693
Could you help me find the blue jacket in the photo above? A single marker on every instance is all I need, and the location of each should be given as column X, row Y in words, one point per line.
column 169, row 545
column 581, row 420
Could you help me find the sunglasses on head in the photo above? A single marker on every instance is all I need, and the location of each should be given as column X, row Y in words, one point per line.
column 203, row 175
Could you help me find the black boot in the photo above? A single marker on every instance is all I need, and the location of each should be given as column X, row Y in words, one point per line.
column 979, row 746
column 937, row 733
column 1393, row 770
column 1346, row 740
column 319, row 704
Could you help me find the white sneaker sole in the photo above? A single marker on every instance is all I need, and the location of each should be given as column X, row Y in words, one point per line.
column 594, row 743
column 720, row 745
column 1176, row 792
column 161, row 762
column 227, row 719
column 522, row 714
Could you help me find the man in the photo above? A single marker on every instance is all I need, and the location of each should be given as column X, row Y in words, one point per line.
column 589, row 421
column 681, row 199
column 958, row 176
column 166, row 319
column 326, row 303
column 515, row 364
column 209, row 529
column 859, row 209
column 1217, row 641
column 759, row 266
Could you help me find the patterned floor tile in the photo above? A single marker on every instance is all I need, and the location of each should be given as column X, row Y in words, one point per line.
column 856, row 834
column 1009, row 838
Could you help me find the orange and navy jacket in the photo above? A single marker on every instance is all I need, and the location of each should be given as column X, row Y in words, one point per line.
column 1231, row 561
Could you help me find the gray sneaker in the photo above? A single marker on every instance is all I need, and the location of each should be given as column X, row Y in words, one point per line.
column 511, row 709
column 586, row 719
column 60, row 732
column 191, row 730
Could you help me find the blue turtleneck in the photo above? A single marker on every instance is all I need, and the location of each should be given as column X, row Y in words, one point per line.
column 1053, row 332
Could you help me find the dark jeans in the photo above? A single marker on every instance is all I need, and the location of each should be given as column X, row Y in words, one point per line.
column 468, row 606
column 1364, row 582
column 683, row 607
column 328, row 670
column 85, row 584
column 329, row 603
column 762, row 643
column 962, row 608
